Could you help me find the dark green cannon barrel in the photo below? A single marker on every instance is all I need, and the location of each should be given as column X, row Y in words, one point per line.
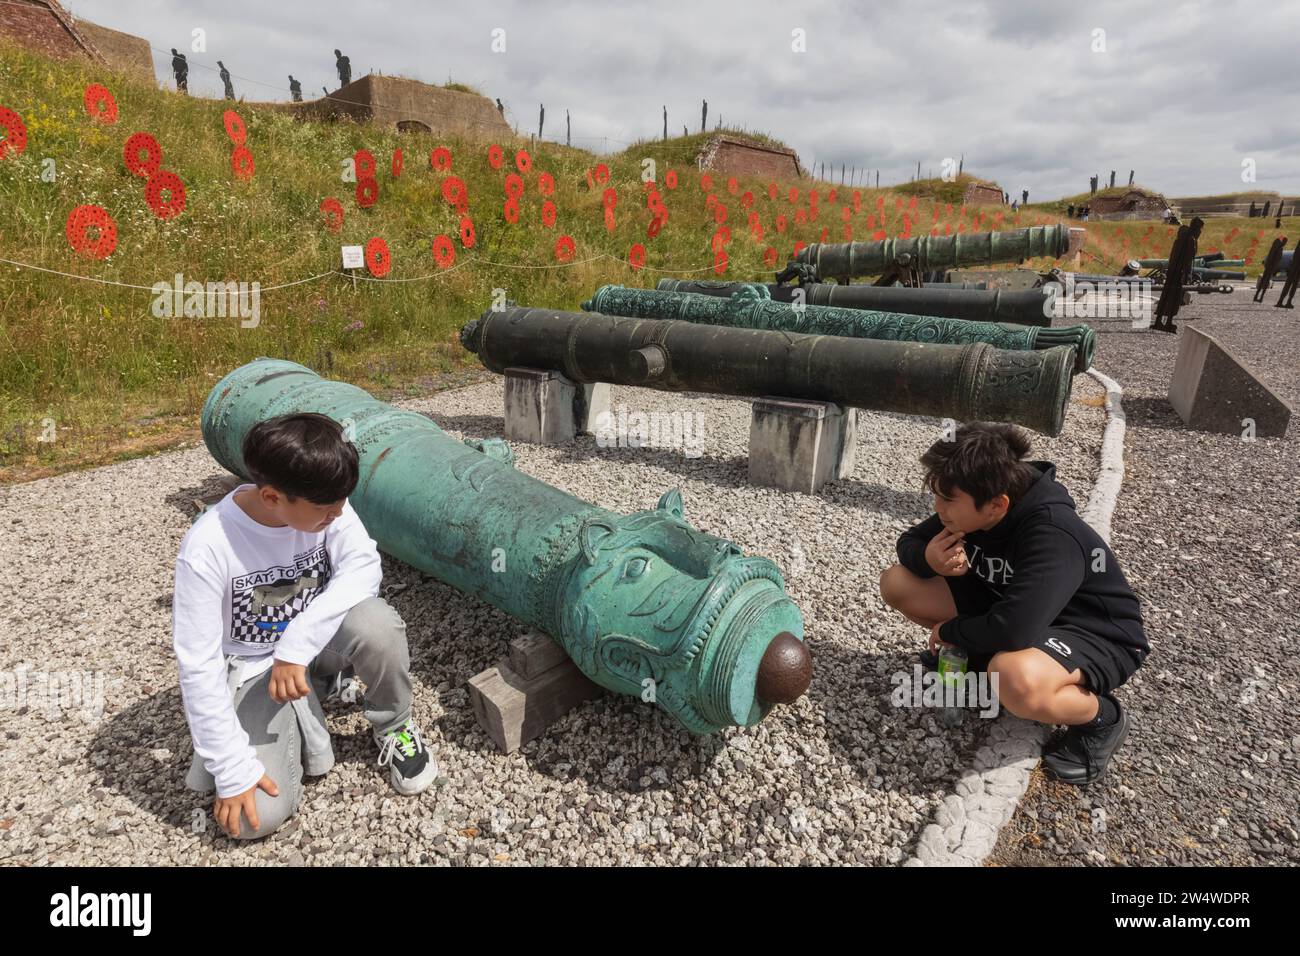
column 643, row 603
column 1029, row 307
column 751, row 307
column 935, row 252
column 963, row 382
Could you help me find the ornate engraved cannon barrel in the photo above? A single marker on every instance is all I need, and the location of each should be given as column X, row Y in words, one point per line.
column 751, row 307
column 935, row 252
column 1029, row 307
column 639, row 601
column 964, row 382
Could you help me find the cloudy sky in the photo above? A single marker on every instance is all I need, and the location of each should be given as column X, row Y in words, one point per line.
column 1037, row 96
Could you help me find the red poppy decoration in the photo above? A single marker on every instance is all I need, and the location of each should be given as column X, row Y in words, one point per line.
column 706, row 183
column 564, row 248
column 846, row 213
column 719, row 213
column 496, row 156
column 830, row 196
column 720, row 261
column 440, row 159
column 84, row 218
column 523, row 162
column 756, row 230
column 793, row 195
column 797, row 246
column 800, row 216
column 377, row 257
column 747, row 200
column 511, row 210
column 636, row 256
column 670, row 179
column 15, row 129
column 879, row 235
column 514, row 186
column 241, row 163
column 769, row 256
column 812, row 197
column 546, row 184
column 363, row 163
column 398, row 159
column 234, row 127
column 332, row 210
column 822, row 237
column 848, row 233
column 652, row 230
column 168, row 182
column 781, row 223
column 610, row 198
column 733, row 185
column 720, row 238
column 710, row 201
column 444, row 253
column 771, row 190
column 609, row 219
column 453, row 190
column 548, row 214
column 150, row 163
column 467, row 232
column 367, row 192
column 100, row 104
column 602, row 174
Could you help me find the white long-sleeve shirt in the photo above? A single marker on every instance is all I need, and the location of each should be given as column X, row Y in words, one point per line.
column 262, row 594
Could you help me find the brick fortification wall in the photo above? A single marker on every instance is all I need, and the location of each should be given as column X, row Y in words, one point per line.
column 44, row 28
column 739, row 157
column 390, row 100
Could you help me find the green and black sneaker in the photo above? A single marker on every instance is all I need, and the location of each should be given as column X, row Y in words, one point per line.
column 411, row 766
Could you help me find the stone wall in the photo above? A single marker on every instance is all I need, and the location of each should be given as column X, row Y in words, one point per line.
column 985, row 194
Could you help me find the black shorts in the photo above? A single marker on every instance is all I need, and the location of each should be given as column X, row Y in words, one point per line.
column 1105, row 664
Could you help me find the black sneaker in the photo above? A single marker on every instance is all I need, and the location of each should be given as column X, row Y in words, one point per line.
column 411, row 766
column 1081, row 756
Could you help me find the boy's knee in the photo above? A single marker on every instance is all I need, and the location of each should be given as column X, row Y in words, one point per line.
column 894, row 582
column 272, row 813
column 1020, row 687
column 377, row 627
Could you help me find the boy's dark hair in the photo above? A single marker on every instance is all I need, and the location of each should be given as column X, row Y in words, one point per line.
column 983, row 460
column 303, row 455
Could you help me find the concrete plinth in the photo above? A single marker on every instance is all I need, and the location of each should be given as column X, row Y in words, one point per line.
column 799, row 445
column 543, row 407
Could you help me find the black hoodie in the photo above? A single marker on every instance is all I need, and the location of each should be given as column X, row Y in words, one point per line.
column 1045, row 566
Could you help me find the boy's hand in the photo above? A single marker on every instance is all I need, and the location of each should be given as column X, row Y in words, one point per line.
column 946, row 555
column 288, row 682
column 228, row 809
column 935, row 642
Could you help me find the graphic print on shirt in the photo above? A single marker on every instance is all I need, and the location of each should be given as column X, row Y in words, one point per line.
column 264, row 602
column 994, row 572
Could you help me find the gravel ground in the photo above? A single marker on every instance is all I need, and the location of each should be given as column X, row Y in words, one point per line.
column 1207, row 529
column 841, row 776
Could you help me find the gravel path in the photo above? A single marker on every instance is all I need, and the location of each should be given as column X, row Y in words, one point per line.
column 841, row 776
column 1208, row 532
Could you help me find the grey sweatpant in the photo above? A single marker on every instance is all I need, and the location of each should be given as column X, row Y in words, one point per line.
column 290, row 738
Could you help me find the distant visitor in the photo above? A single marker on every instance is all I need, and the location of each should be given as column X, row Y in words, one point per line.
column 225, row 81
column 344, row 66
column 181, row 70
column 295, row 89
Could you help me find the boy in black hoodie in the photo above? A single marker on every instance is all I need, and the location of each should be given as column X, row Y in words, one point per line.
column 1007, row 571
